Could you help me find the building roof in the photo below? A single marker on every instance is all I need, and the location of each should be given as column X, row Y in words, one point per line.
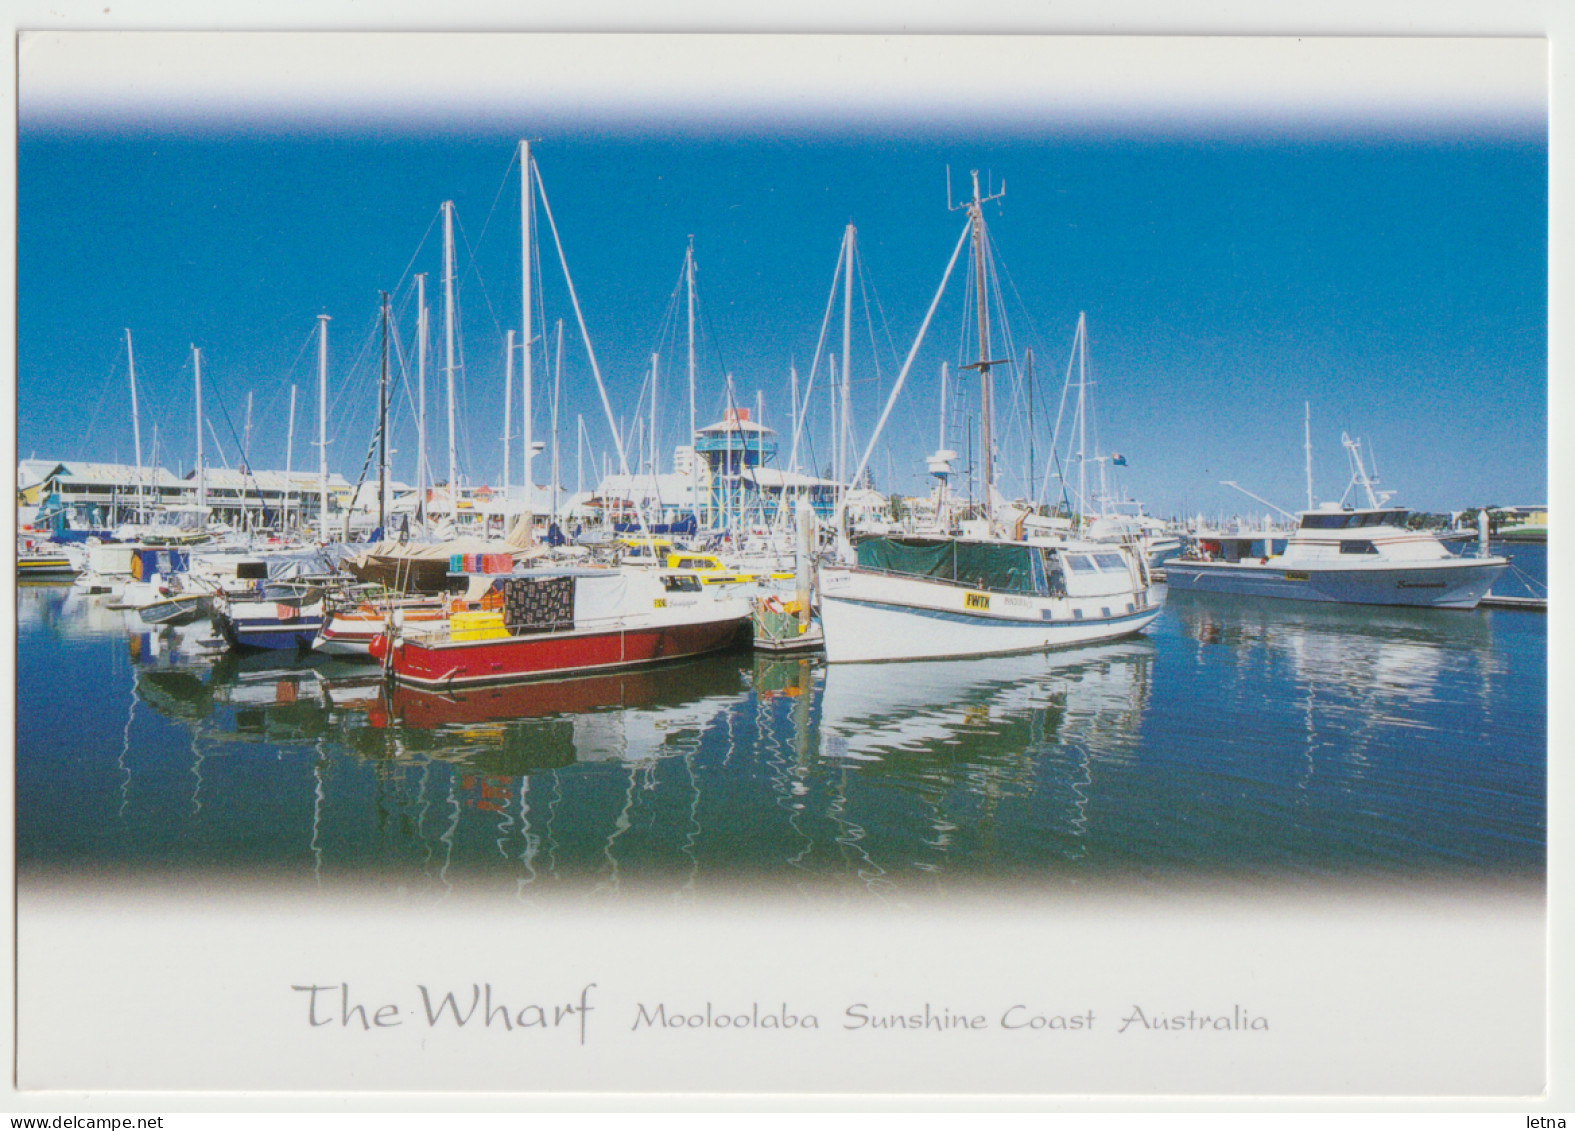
column 32, row 472
column 736, row 420
column 298, row 481
column 775, row 477
column 81, row 472
column 669, row 487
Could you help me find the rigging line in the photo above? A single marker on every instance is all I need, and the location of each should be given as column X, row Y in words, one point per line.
column 1015, row 429
column 805, row 400
column 354, row 386
column 884, row 323
column 670, row 315
column 503, row 183
column 102, row 397
column 869, row 322
column 470, row 269
column 902, row 376
column 1055, row 437
column 713, row 338
column 405, row 274
column 306, row 343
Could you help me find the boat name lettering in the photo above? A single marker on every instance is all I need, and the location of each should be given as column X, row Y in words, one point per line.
column 777, row 1017
column 483, row 1008
column 1419, row 585
column 1019, row 602
column 977, row 600
column 660, row 603
column 1297, row 575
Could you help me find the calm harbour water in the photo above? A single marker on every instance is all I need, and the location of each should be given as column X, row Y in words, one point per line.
column 1258, row 740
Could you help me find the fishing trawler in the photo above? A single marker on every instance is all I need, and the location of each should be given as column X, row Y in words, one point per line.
column 562, row 621
column 992, row 589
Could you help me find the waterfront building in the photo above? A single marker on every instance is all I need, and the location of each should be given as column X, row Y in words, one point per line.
column 85, row 495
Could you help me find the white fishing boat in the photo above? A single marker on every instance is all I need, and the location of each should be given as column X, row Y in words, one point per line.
column 1363, row 556
column 991, row 590
column 921, row 598
column 1353, row 555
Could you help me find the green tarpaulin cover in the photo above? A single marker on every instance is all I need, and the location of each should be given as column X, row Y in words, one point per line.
column 1000, row 567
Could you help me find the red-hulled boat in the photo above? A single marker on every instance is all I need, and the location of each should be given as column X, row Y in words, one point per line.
column 562, row 622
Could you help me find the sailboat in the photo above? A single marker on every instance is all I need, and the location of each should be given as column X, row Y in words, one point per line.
column 988, row 591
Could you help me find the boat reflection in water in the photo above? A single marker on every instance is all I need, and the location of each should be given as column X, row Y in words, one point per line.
column 1239, row 739
column 1073, row 694
column 701, row 774
column 1376, row 656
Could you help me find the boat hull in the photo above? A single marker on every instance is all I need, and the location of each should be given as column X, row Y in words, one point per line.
column 1456, row 584
column 424, row 663
column 870, row 618
column 267, row 625
column 350, row 633
column 44, row 567
column 176, row 611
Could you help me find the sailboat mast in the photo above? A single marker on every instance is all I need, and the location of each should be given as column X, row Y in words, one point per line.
column 1031, row 479
column 136, row 420
column 322, row 422
column 845, row 426
column 986, row 400
column 557, row 391
column 382, row 429
column 202, row 485
column 689, row 279
column 793, row 381
column 836, row 415
column 525, row 264
column 1082, row 421
column 289, row 455
column 448, row 355
column 508, row 404
column 421, row 396
column 656, row 456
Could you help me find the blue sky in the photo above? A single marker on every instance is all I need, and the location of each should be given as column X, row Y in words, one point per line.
column 1231, row 268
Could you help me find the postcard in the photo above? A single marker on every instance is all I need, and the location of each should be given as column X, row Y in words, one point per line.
column 564, row 566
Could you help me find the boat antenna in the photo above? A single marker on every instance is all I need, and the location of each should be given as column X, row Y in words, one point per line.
column 1307, row 441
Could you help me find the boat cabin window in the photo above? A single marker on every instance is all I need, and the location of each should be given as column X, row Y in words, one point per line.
column 1111, row 562
column 1356, row 546
column 681, row 583
column 694, row 563
column 1343, row 520
column 1337, row 520
column 1079, row 563
column 1384, row 518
